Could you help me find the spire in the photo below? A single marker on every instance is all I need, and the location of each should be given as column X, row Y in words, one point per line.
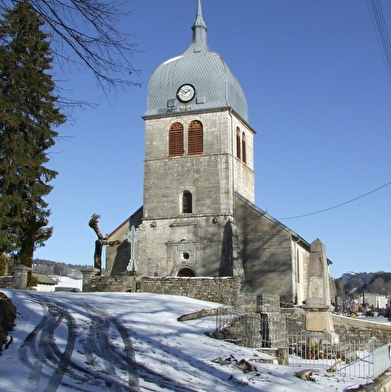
column 199, row 30
column 199, row 22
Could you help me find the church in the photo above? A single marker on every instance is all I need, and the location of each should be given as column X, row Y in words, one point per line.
column 199, row 217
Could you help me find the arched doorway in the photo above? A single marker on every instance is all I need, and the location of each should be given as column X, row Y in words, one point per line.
column 186, row 272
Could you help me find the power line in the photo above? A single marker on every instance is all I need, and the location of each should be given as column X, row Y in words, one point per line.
column 380, row 26
column 338, row 205
column 382, row 33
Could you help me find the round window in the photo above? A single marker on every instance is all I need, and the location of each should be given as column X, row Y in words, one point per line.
column 186, row 255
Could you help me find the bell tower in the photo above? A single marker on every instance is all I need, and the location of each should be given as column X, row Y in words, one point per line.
column 198, row 154
column 198, row 145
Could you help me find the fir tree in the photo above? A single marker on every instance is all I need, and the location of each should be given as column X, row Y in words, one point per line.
column 28, row 114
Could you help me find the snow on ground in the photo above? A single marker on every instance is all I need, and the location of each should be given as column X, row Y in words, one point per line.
column 67, row 282
column 133, row 342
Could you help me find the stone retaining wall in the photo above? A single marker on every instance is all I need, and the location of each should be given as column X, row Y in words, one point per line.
column 350, row 329
column 110, row 284
column 6, row 282
column 347, row 328
column 221, row 290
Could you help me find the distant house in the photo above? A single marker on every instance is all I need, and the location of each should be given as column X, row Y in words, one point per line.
column 45, row 283
column 376, row 301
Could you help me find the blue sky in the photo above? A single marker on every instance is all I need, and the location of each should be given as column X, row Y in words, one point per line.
column 319, row 97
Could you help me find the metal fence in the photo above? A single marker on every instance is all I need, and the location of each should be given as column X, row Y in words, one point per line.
column 268, row 303
column 355, row 359
column 246, row 327
column 226, row 314
column 381, row 360
column 238, row 325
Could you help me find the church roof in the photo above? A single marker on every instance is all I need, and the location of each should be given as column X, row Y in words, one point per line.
column 297, row 238
column 215, row 85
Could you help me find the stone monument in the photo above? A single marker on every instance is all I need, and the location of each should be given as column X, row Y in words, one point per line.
column 318, row 304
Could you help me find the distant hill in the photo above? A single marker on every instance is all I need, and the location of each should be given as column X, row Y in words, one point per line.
column 55, row 268
column 352, row 283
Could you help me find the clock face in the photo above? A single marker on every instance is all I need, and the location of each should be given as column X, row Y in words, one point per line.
column 186, row 93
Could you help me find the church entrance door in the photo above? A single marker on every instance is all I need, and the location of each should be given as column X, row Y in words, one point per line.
column 186, row 272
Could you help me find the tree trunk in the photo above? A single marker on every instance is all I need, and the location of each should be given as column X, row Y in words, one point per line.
column 98, row 256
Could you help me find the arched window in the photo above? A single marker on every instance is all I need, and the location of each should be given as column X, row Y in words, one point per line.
column 238, row 146
column 187, row 202
column 244, row 158
column 175, row 140
column 196, row 138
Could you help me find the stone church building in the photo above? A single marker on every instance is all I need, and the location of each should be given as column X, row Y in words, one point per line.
column 198, row 216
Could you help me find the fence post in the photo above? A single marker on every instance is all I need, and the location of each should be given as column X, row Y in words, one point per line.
column 282, row 356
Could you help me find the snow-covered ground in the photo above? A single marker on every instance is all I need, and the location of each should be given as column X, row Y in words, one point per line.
column 67, row 282
column 133, row 342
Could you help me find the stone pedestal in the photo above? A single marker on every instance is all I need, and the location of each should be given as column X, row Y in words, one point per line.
column 20, row 272
column 88, row 273
column 319, row 322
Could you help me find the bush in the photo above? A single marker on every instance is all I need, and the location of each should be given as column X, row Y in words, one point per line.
column 7, row 317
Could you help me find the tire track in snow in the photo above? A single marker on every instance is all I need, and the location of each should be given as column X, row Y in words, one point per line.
column 49, row 363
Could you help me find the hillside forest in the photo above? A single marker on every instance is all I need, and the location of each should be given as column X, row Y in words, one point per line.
column 353, row 284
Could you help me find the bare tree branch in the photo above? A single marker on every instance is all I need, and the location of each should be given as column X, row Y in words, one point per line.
column 85, row 35
column 94, row 224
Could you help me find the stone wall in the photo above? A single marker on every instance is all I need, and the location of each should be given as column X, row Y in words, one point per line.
column 295, row 320
column 267, row 253
column 18, row 279
column 6, row 282
column 221, row 290
column 348, row 329
column 121, row 283
column 273, row 330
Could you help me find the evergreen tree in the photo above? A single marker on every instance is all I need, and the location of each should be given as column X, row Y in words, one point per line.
column 28, row 114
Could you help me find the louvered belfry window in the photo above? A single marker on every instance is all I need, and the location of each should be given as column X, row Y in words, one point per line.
column 238, row 144
column 196, row 138
column 244, row 148
column 175, row 140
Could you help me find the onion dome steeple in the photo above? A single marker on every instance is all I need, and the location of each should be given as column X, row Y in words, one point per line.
column 215, row 87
